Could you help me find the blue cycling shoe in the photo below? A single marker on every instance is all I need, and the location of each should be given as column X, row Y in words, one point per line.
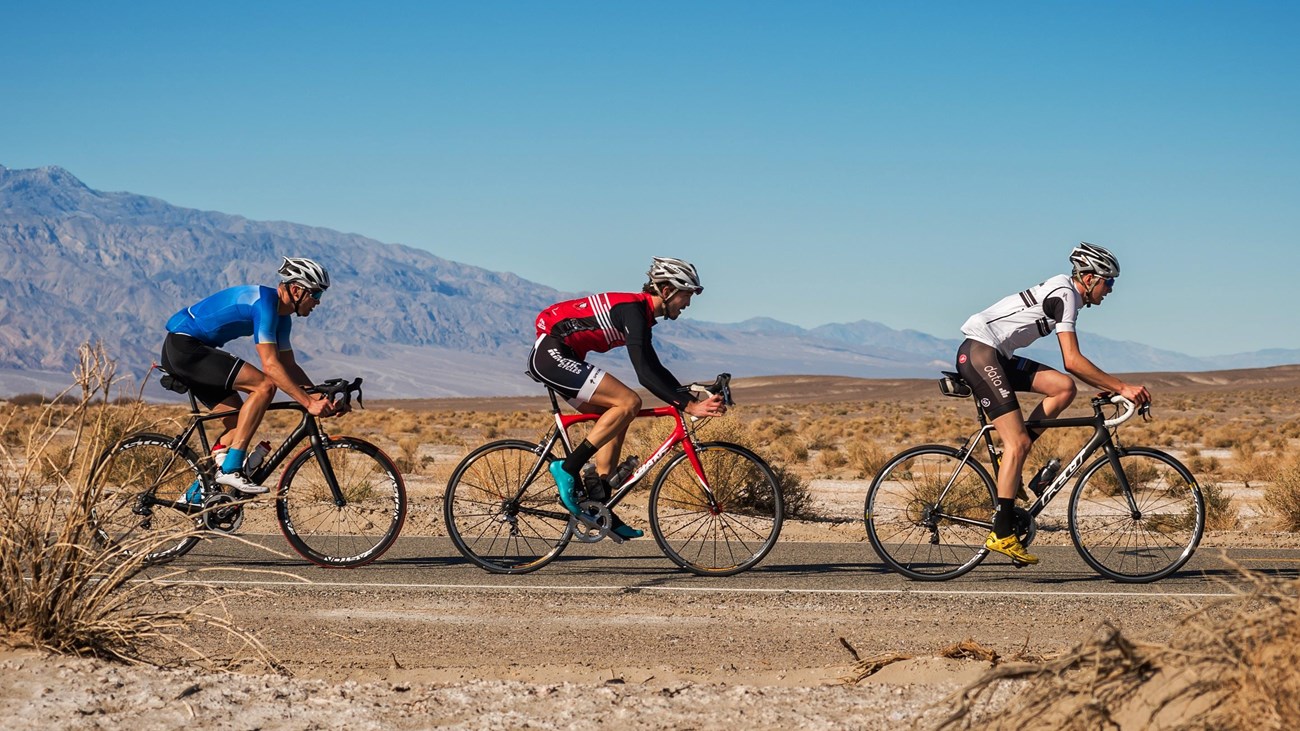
column 568, row 485
column 623, row 530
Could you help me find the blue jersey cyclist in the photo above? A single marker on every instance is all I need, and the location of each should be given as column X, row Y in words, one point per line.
column 987, row 361
column 568, row 331
column 192, row 352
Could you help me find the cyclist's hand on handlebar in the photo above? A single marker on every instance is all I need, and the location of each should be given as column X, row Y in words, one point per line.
column 319, row 406
column 1137, row 394
column 712, row 406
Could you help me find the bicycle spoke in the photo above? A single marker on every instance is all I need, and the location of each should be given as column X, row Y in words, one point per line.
column 912, row 531
column 705, row 536
column 1156, row 541
column 496, row 520
column 364, row 526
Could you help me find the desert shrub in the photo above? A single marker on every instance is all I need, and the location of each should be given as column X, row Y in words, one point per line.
column 833, row 459
column 1205, row 466
column 63, row 590
column 408, row 455
column 1220, row 509
column 1282, row 496
column 797, row 500
column 867, row 458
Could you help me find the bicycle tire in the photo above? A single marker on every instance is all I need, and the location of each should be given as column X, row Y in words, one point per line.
column 128, row 477
column 723, row 539
column 900, row 513
column 496, row 521
column 1140, row 548
column 353, row 534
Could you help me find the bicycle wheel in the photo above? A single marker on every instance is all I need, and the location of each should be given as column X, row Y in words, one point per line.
column 1145, row 542
column 734, row 531
column 917, row 534
column 364, row 526
column 496, row 518
column 139, row 487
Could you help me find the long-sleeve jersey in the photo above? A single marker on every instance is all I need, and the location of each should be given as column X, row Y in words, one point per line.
column 602, row 322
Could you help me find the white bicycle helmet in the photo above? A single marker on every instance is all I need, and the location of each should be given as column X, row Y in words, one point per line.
column 296, row 270
column 1092, row 259
column 675, row 273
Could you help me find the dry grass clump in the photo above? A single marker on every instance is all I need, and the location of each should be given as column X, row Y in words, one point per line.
column 1282, row 496
column 1230, row 666
column 60, row 589
column 1221, row 511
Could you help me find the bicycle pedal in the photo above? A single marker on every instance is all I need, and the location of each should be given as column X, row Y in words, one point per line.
column 1019, row 564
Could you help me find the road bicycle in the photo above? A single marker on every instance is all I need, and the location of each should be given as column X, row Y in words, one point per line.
column 340, row 502
column 1135, row 515
column 715, row 508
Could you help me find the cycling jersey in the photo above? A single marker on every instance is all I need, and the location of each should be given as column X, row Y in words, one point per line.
column 235, row 313
column 609, row 320
column 1019, row 319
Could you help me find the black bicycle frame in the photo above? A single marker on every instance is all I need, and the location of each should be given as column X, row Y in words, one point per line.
column 1101, row 438
column 307, row 428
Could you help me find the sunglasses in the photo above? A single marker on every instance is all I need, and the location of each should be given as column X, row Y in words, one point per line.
column 1110, row 283
column 313, row 293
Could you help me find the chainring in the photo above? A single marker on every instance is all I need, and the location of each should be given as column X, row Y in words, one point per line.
column 595, row 523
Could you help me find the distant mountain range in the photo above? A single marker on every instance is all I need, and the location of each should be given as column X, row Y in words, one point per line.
column 78, row 264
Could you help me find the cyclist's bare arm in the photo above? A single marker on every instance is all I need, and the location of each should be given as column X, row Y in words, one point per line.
column 281, row 367
column 1078, row 365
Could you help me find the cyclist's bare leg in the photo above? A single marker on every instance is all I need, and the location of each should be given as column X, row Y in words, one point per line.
column 1058, row 391
column 1015, row 450
column 260, row 390
column 607, row 457
column 621, row 405
column 228, row 423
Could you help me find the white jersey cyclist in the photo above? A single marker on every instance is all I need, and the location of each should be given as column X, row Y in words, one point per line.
column 1017, row 320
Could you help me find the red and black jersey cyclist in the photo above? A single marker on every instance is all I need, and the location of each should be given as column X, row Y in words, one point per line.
column 567, row 331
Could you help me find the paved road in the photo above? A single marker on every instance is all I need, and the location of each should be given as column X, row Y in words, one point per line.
column 848, row 568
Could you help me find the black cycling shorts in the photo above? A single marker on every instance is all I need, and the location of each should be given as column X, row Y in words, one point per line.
column 994, row 377
column 209, row 372
column 557, row 366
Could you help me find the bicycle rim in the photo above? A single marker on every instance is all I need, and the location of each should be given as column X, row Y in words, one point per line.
column 730, row 534
column 348, row 535
column 1144, row 546
column 495, row 520
column 915, row 534
column 136, row 482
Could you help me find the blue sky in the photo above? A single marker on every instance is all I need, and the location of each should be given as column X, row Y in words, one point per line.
column 907, row 163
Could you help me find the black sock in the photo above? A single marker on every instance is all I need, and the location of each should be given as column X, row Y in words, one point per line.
column 579, row 457
column 1004, row 520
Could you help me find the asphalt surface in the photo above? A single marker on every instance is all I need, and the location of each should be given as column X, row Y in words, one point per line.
column 850, row 568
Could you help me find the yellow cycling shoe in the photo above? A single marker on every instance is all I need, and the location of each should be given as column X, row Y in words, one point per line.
column 1010, row 546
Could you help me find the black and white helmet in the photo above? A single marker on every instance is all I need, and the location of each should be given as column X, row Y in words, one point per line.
column 675, row 273
column 1092, row 259
column 296, row 270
